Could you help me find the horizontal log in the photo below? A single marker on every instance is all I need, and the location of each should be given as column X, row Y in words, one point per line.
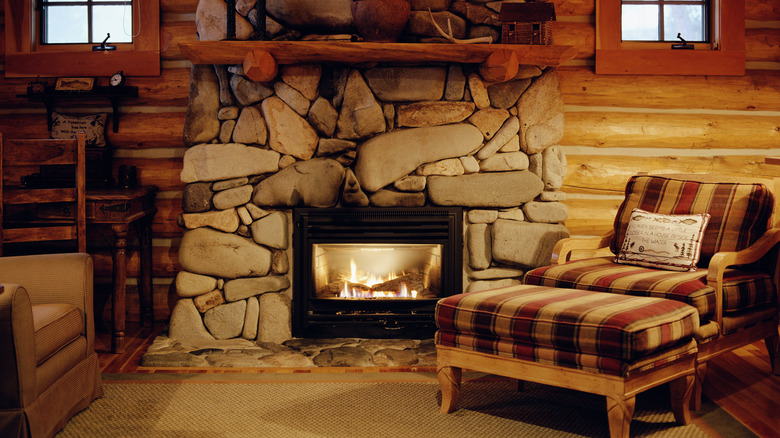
column 161, row 172
column 762, row 45
column 179, row 6
column 580, row 35
column 172, row 33
column 607, row 174
column 591, row 217
column 574, row 7
column 293, row 52
column 762, row 10
column 148, row 130
column 756, row 90
column 165, row 221
column 684, row 131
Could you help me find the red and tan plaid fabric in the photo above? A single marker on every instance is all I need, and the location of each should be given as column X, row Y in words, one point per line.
column 741, row 289
column 550, row 356
column 739, row 213
column 573, row 322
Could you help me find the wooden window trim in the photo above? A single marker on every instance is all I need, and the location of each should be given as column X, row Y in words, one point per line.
column 728, row 58
column 24, row 58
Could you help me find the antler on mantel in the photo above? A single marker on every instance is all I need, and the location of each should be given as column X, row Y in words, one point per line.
column 448, row 36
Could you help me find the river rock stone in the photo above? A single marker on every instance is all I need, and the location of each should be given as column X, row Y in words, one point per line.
column 456, row 83
column 407, row 84
column 411, row 183
column 489, row 120
column 546, row 212
column 229, row 183
column 504, row 134
column 478, row 243
column 496, row 273
column 303, row 77
column 391, row 198
column 312, row 183
column 208, row 301
column 478, row 91
column 344, row 357
column 196, row 197
column 201, row 123
column 211, row 252
column 242, row 288
column 275, row 315
column 323, row 117
column 525, row 244
column 540, row 111
column 353, row 195
column 248, row 92
column 250, row 127
column 330, row 146
column 553, row 196
column 503, row 162
column 475, row 14
column 324, row 16
column 513, row 145
column 485, row 189
column 251, row 318
column 505, row 94
column 232, row 197
column 514, row 214
column 211, row 22
column 293, row 98
column 420, row 114
column 226, row 131
column 222, row 220
column 271, row 230
column 470, row 164
column 280, row 264
column 190, row 285
column 482, row 216
column 361, row 115
column 388, row 157
column 450, row 166
column 433, row 5
column 226, row 99
column 288, row 132
column 214, row 162
column 186, row 324
column 553, row 167
column 227, row 112
column 226, row 321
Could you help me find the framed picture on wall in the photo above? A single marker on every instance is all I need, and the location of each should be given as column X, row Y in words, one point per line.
column 74, row 84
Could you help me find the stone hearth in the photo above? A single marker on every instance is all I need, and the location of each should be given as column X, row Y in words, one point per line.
column 325, row 135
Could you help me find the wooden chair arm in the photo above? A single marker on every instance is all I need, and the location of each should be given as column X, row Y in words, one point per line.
column 722, row 260
column 563, row 249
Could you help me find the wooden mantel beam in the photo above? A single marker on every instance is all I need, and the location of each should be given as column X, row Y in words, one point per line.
column 293, row 52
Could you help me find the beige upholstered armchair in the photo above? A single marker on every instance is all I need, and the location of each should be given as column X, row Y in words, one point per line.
column 48, row 366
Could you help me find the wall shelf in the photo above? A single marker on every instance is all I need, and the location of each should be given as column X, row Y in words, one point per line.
column 50, row 97
column 292, row 52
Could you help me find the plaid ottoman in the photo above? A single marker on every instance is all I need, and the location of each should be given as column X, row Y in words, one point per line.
column 609, row 344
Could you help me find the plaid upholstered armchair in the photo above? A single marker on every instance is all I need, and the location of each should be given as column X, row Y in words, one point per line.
column 701, row 240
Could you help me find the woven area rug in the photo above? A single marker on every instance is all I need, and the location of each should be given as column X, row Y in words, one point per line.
column 377, row 405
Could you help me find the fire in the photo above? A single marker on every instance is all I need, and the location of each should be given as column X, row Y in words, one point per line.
column 369, row 280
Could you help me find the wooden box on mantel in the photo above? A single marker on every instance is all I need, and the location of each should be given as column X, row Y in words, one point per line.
column 527, row 23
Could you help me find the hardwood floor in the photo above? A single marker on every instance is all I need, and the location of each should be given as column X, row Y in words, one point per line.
column 741, row 381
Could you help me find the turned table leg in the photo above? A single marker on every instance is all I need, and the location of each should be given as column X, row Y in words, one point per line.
column 119, row 256
column 143, row 228
column 449, row 380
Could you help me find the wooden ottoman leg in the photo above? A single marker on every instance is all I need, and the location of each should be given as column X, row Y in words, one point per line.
column 619, row 412
column 698, row 385
column 449, row 380
column 681, row 390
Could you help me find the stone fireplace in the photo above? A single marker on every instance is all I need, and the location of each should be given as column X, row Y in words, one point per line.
column 379, row 137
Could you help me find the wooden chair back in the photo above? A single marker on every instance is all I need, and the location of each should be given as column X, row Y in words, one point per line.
column 43, row 190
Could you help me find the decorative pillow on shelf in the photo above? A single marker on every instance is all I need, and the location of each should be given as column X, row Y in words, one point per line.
column 65, row 126
column 664, row 241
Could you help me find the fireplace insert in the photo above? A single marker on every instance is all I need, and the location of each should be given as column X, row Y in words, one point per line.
column 374, row 272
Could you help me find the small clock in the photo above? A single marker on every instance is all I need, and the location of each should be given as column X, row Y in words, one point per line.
column 117, row 79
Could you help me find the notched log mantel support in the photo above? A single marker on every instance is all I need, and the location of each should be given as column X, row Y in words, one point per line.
column 260, row 58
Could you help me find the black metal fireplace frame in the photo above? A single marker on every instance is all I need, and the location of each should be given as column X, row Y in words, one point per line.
column 373, row 318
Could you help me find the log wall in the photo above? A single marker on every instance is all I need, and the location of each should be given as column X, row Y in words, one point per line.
column 616, row 126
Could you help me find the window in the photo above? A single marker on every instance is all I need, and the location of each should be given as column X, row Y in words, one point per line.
column 719, row 49
column 27, row 56
column 86, row 21
column 663, row 20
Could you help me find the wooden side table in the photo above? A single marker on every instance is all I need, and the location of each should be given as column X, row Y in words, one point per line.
column 118, row 208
